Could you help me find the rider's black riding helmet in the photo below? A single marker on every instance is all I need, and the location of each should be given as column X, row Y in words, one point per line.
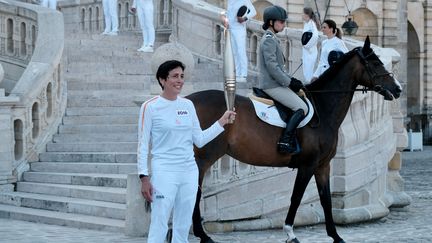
column 273, row 13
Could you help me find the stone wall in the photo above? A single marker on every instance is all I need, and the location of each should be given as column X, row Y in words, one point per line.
column 33, row 99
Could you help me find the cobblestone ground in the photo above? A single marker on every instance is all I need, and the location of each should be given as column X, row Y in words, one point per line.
column 410, row 224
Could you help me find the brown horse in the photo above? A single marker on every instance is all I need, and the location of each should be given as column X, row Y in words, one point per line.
column 254, row 142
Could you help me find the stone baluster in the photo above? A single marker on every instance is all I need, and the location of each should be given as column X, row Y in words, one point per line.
column 7, row 139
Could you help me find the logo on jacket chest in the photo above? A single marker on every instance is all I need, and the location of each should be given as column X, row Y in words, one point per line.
column 182, row 113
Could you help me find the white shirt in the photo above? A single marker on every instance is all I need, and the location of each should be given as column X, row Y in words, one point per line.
column 311, row 27
column 232, row 9
column 332, row 44
column 171, row 128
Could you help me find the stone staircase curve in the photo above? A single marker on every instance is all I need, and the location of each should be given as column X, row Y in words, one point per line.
column 80, row 181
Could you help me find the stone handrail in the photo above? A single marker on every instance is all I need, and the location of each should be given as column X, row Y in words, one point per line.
column 84, row 16
column 33, row 105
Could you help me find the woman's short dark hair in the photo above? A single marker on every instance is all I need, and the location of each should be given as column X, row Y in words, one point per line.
column 166, row 67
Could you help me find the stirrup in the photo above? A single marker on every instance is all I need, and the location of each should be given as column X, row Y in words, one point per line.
column 285, row 148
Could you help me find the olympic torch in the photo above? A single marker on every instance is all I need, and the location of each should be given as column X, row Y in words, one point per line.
column 229, row 73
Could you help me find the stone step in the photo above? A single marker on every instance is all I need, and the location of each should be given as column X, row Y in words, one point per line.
column 103, row 102
column 100, row 146
column 107, row 194
column 65, row 204
column 107, row 180
column 63, row 219
column 109, row 119
column 119, row 68
column 83, row 167
column 95, row 137
column 105, row 94
column 94, row 111
column 88, row 157
column 119, row 85
column 106, row 52
column 107, row 128
column 105, row 78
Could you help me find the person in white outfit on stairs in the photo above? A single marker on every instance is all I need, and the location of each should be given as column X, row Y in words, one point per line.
column 333, row 42
column 144, row 9
column 169, row 125
column 52, row 4
column 309, row 41
column 237, row 27
column 111, row 17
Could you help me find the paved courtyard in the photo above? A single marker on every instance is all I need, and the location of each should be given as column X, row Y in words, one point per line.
column 409, row 224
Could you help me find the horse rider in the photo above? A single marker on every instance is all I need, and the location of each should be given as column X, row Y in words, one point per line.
column 275, row 80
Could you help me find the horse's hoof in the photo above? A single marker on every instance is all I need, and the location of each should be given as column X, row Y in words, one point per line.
column 341, row 241
column 293, row 241
column 209, row 240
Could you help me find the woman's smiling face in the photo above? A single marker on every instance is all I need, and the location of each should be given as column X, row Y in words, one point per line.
column 173, row 84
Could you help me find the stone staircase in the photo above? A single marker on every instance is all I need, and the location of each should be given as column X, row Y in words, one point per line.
column 80, row 181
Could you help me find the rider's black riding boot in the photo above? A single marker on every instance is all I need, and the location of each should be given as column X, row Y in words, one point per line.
column 288, row 143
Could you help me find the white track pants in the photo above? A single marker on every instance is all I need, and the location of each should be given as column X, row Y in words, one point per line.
column 110, row 15
column 238, row 41
column 52, row 4
column 145, row 17
column 173, row 190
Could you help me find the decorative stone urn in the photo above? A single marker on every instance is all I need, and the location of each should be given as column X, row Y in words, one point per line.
column 173, row 51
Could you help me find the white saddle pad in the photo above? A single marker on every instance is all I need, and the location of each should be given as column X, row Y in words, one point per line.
column 269, row 114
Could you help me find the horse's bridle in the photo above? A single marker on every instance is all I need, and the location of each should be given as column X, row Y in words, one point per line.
column 372, row 75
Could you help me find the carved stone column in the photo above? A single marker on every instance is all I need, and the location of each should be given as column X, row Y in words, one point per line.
column 7, row 142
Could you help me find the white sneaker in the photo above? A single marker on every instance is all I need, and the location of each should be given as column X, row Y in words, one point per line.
column 241, row 79
column 105, row 33
column 112, row 33
column 147, row 49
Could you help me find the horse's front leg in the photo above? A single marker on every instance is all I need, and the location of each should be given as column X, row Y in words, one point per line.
column 322, row 178
column 302, row 180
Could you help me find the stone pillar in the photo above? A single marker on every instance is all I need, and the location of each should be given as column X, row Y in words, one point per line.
column 137, row 219
column 7, row 142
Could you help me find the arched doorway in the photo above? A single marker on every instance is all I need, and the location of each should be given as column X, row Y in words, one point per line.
column 414, row 87
column 260, row 5
column 368, row 25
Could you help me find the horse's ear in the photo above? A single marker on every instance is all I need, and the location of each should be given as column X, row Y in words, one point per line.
column 366, row 46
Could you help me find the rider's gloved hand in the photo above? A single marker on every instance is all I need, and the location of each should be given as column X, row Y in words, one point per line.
column 296, row 85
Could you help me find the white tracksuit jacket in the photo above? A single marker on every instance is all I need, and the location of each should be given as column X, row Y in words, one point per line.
column 238, row 34
column 145, row 10
column 327, row 46
column 171, row 128
column 310, row 51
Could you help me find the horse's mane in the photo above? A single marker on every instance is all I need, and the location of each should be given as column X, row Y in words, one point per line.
column 332, row 70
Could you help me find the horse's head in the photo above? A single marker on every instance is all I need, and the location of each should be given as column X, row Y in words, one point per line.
column 375, row 76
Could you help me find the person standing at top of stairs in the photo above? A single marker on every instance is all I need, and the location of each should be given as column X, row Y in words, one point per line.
column 144, row 10
column 111, row 17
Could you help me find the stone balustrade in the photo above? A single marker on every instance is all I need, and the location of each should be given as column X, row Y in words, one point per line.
column 86, row 16
column 33, row 95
